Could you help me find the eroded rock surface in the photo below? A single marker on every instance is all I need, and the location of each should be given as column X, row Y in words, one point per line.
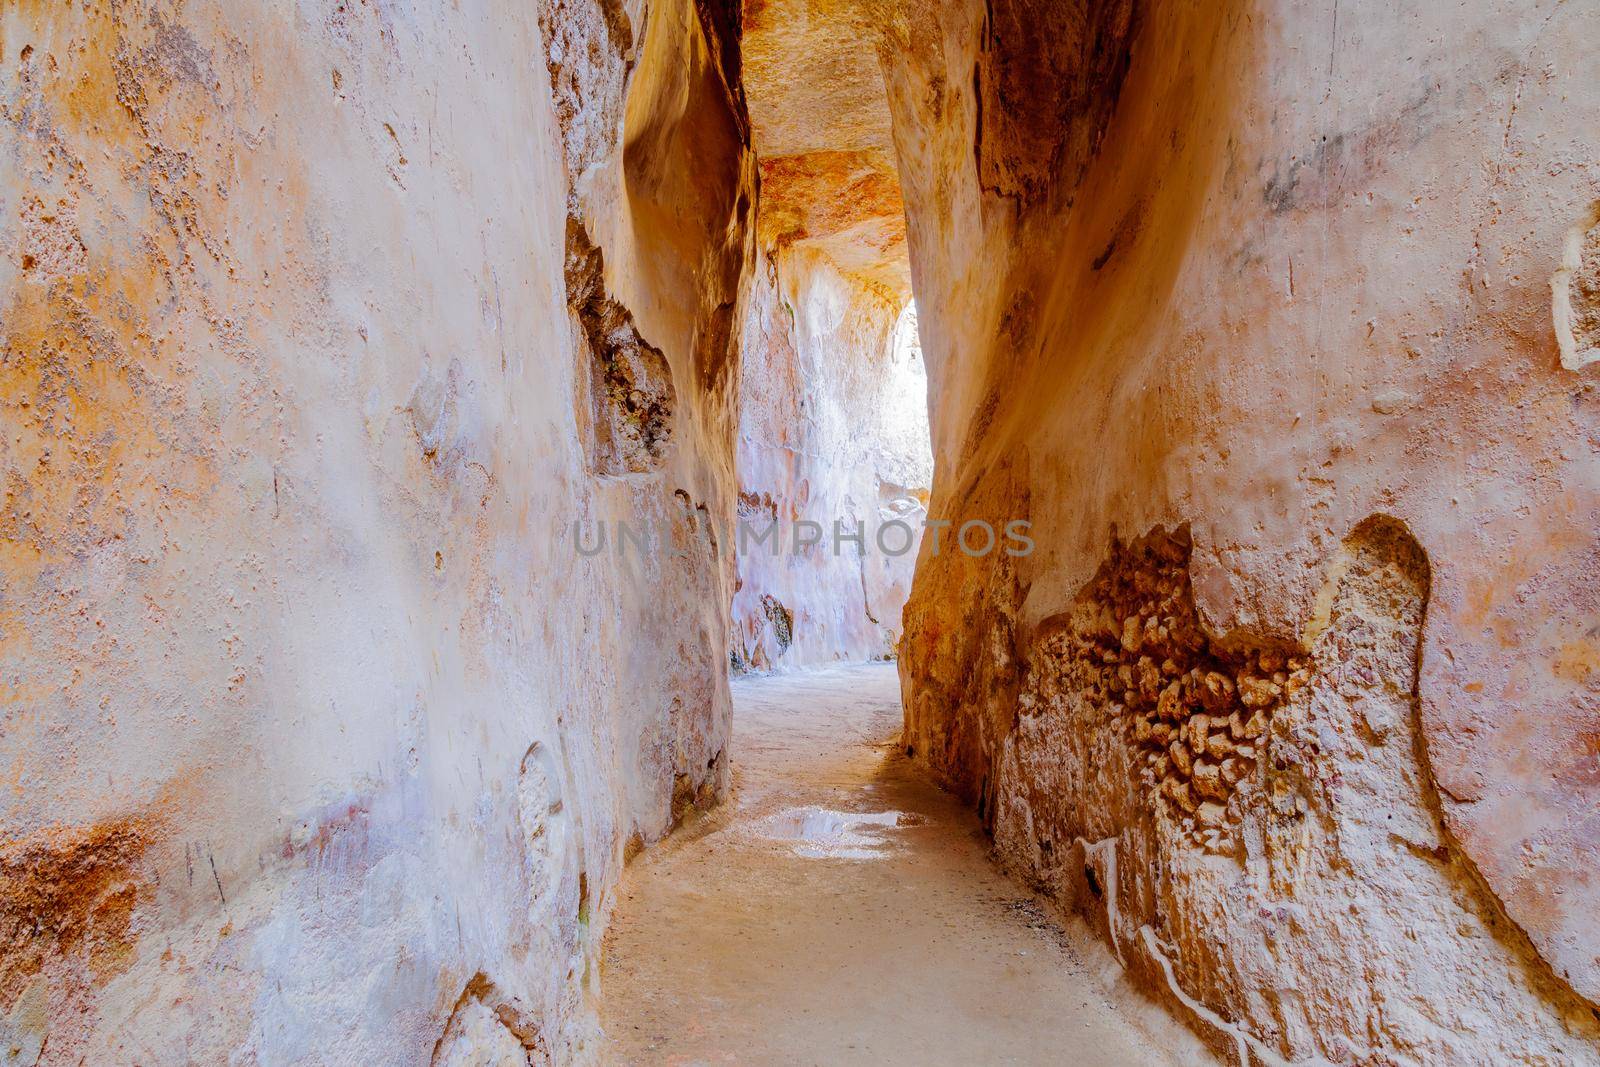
column 1290, row 273
column 629, row 421
column 322, row 742
column 1576, row 293
column 1261, row 821
column 820, row 124
column 325, row 328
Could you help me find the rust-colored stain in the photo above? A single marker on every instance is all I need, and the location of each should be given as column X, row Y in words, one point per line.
column 1577, row 660
column 824, row 193
column 92, row 395
column 67, row 903
column 93, row 424
column 752, row 15
column 1044, row 99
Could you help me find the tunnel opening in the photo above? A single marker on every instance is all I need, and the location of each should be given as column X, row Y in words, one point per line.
column 834, row 469
column 833, row 442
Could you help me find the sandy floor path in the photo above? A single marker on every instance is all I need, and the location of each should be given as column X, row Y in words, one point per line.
column 840, row 909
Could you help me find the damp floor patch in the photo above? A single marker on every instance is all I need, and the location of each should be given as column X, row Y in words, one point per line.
column 822, row 833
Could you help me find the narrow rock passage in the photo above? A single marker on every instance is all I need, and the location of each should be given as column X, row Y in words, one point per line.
column 842, row 909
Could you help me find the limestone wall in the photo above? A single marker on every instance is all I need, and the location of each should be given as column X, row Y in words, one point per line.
column 321, row 325
column 1298, row 695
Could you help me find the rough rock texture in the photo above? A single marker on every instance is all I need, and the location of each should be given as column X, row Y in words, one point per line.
column 324, row 325
column 320, row 741
column 833, row 429
column 627, row 424
column 1263, row 823
column 1575, row 293
column 1046, row 82
column 1294, row 275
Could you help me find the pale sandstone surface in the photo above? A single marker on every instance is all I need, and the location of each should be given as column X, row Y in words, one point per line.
column 1296, row 274
column 842, row 909
column 320, row 743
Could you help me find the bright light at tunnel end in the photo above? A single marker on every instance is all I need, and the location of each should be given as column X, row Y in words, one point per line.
column 894, row 538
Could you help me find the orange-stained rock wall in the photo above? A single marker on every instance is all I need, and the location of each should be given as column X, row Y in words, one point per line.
column 320, row 327
column 1269, row 357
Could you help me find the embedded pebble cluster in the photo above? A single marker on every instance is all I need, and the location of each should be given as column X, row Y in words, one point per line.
column 1198, row 715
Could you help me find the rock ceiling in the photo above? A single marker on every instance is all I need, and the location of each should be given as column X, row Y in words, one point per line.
column 820, row 124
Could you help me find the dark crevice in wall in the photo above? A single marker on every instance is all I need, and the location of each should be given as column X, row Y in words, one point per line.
column 1044, row 99
column 631, row 398
column 723, row 24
